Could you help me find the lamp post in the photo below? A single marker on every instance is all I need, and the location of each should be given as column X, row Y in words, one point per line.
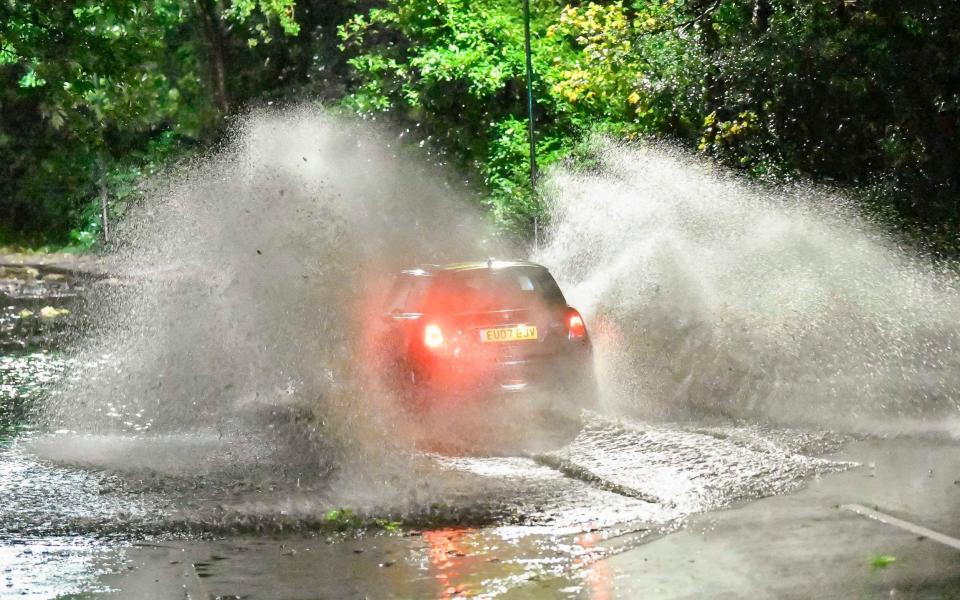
column 533, row 141
column 526, row 48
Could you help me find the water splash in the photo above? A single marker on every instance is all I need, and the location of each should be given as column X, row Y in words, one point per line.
column 223, row 371
column 707, row 292
column 237, row 309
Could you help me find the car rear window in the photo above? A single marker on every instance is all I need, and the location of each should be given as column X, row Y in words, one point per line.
column 484, row 290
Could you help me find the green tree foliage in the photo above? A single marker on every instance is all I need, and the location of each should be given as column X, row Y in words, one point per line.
column 860, row 92
column 82, row 82
column 857, row 92
column 455, row 69
column 99, row 93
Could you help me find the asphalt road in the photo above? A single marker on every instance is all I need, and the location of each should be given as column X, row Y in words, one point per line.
column 806, row 544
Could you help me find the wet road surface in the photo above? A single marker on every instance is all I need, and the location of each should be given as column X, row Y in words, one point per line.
column 522, row 518
column 801, row 544
column 621, row 508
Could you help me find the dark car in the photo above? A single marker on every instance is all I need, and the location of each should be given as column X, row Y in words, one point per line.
column 481, row 328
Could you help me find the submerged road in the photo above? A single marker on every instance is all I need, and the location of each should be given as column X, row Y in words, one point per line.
column 798, row 545
column 779, row 527
column 624, row 508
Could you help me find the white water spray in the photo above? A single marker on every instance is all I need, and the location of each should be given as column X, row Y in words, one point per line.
column 707, row 292
column 225, row 370
column 243, row 285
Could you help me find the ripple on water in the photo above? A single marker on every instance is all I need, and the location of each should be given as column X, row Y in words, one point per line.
column 41, row 498
column 52, row 567
column 686, row 471
column 618, row 471
column 614, row 472
column 24, row 378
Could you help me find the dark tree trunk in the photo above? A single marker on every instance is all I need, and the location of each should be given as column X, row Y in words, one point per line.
column 213, row 32
column 762, row 11
column 710, row 42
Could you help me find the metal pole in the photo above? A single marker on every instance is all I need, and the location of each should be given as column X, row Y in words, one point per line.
column 533, row 142
column 104, row 213
column 533, row 139
column 536, row 233
column 104, row 217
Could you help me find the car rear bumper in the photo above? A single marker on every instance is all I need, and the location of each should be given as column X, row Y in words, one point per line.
column 548, row 374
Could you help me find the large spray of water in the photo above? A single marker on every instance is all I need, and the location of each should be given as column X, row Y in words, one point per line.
column 244, row 281
column 244, row 284
column 231, row 347
column 707, row 292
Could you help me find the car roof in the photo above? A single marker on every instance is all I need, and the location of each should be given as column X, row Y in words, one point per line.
column 493, row 264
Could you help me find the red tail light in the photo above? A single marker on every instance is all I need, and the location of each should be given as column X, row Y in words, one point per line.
column 576, row 329
column 432, row 336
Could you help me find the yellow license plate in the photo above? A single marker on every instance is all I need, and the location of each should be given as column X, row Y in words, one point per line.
column 509, row 334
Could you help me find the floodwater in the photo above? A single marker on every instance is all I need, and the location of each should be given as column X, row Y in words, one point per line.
column 206, row 416
column 74, row 503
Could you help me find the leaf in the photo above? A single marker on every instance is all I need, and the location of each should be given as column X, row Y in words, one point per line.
column 31, row 80
column 49, row 313
column 881, row 561
column 57, row 119
column 8, row 54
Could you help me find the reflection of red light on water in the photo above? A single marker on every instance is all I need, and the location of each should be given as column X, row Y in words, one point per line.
column 596, row 572
column 452, row 565
column 448, row 560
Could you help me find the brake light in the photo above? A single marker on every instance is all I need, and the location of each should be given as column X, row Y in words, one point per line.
column 576, row 329
column 432, row 336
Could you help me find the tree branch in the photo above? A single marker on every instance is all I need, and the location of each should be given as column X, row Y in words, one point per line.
column 706, row 12
column 14, row 54
column 684, row 25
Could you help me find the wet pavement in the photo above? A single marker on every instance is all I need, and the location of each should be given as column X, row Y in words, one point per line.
column 807, row 545
column 795, row 545
column 617, row 507
column 524, row 519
